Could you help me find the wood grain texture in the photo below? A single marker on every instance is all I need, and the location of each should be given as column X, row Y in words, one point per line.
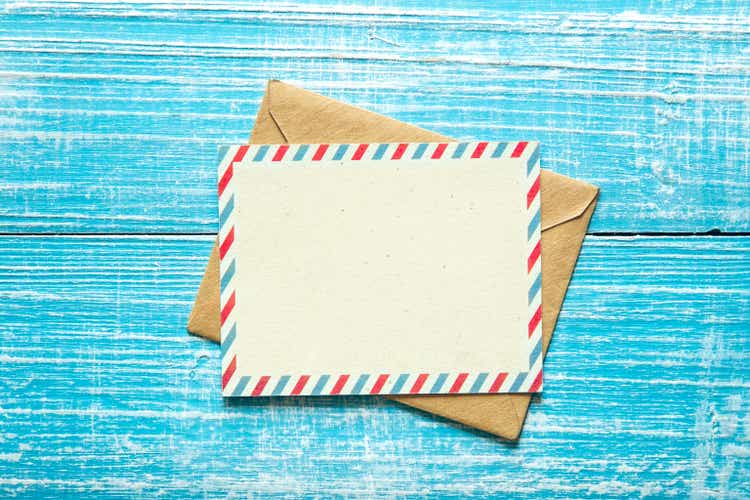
column 646, row 388
column 110, row 118
column 111, row 113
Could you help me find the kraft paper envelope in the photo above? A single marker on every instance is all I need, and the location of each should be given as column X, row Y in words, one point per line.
column 289, row 114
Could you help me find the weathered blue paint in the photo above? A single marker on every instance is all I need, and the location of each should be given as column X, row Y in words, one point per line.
column 646, row 386
column 110, row 114
column 110, row 119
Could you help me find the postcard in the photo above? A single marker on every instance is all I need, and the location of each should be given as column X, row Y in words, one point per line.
column 405, row 268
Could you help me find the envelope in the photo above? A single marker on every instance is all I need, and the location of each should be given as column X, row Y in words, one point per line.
column 290, row 114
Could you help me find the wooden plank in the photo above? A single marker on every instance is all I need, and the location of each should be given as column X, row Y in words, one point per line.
column 111, row 113
column 101, row 389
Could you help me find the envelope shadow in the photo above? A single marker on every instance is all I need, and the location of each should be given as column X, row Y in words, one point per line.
column 359, row 402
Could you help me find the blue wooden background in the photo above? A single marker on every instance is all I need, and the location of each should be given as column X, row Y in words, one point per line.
column 110, row 116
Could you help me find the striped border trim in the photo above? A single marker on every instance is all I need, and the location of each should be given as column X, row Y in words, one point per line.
column 383, row 383
column 228, row 294
column 531, row 381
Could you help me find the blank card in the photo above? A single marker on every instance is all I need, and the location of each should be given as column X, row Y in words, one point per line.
column 380, row 269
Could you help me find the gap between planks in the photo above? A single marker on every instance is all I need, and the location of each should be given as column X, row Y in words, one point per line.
column 177, row 235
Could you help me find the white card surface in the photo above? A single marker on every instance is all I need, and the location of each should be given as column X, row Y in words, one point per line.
column 380, row 269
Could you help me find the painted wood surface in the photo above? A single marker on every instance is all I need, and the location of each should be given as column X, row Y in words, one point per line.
column 111, row 113
column 646, row 389
column 110, row 118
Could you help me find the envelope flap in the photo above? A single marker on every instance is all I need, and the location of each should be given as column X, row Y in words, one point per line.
column 306, row 117
column 564, row 198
